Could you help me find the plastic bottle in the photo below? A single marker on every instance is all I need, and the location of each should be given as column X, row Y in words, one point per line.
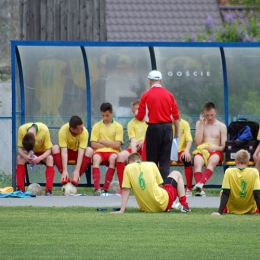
column 31, row 155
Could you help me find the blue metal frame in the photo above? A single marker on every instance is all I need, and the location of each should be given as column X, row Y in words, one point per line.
column 16, row 58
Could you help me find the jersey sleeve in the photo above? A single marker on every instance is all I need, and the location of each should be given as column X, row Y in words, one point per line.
column 175, row 109
column 119, row 134
column 95, row 133
column 47, row 140
column 226, row 180
column 188, row 135
column 131, row 130
column 62, row 138
column 126, row 180
column 84, row 139
column 20, row 137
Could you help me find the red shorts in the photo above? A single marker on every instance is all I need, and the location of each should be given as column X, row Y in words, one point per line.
column 129, row 150
column 220, row 155
column 105, row 157
column 172, row 193
column 72, row 155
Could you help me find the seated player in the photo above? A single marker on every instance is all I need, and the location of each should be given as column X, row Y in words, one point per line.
column 73, row 141
column 210, row 139
column 184, row 155
column 136, row 133
column 241, row 188
column 145, row 180
column 35, row 137
column 106, row 140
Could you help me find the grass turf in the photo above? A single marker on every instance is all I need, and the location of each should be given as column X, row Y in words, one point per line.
column 84, row 233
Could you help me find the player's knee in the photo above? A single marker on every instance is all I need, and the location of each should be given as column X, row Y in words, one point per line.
column 20, row 160
column 171, row 181
column 121, row 157
column 55, row 149
column 49, row 160
column 89, row 152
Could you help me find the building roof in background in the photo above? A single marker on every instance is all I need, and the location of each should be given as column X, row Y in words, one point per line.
column 158, row 20
column 237, row 12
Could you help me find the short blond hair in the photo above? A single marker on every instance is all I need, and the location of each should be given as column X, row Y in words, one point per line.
column 136, row 102
column 242, row 157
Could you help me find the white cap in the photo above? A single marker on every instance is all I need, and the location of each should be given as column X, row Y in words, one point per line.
column 155, row 75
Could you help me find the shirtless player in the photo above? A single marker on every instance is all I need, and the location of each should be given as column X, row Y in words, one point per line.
column 210, row 139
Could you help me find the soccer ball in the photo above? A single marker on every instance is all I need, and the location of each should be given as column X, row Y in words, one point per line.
column 35, row 188
column 114, row 187
column 68, row 189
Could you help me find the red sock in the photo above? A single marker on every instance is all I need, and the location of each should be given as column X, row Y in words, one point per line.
column 225, row 210
column 85, row 164
column 96, row 177
column 188, row 174
column 197, row 176
column 108, row 178
column 206, row 175
column 57, row 161
column 257, row 210
column 49, row 175
column 20, row 175
column 183, row 201
column 120, row 166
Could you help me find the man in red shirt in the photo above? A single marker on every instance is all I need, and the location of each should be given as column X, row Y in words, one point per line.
column 160, row 110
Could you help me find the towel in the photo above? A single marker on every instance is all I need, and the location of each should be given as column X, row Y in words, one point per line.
column 205, row 154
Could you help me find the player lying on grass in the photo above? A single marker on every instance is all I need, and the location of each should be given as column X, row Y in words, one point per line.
column 145, row 180
column 241, row 188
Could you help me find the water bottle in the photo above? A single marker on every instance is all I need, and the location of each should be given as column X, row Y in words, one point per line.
column 31, row 155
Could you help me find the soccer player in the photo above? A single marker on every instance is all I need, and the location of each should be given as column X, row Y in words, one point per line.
column 73, row 141
column 184, row 155
column 256, row 155
column 161, row 110
column 35, row 137
column 106, row 140
column 210, row 139
column 136, row 133
column 145, row 180
column 241, row 187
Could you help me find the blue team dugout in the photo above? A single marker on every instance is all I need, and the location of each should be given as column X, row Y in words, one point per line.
column 51, row 81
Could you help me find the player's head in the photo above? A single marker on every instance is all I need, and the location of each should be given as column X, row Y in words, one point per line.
column 134, row 106
column 154, row 77
column 134, row 157
column 28, row 141
column 242, row 157
column 209, row 111
column 76, row 125
column 106, row 110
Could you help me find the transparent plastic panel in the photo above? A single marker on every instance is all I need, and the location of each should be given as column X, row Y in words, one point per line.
column 243, row 68
column 118, row 75
column 55, row 83
column 194, row 76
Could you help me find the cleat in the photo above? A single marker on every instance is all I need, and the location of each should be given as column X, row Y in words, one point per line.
column 200, row 194
column 97, row 192
column 184, row 209
column 176, row 205
column 188, row 193
column 198, row 187
column 48, row 193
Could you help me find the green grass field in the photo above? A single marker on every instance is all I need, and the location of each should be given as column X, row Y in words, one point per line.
column 84, row 233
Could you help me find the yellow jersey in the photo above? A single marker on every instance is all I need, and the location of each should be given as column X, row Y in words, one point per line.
column 113, row 132
column 144, row 178
column 136, row 129
column 241, row 183
column 43, row 138
column 67, row 140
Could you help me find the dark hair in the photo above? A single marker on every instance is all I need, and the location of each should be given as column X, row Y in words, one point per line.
column 136, row 102
column 134, row 157
column 208, row 106
column 75, row 121
column 28, row 141
column 106, row 107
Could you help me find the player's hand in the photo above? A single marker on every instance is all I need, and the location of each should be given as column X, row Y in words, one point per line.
column 64, row 175
column 202, row 118
column 139, row 145
column 117, row 212
column 76, row 176
column 215, row 214
column 186, row 156
column 210, row 149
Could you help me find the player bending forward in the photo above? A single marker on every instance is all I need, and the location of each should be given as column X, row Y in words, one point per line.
column 145, row 180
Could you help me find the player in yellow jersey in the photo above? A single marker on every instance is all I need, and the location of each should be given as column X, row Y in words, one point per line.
column 35, row 137
column 136, row 133
column 106, row 140
column 73, row 142
column 145, row 180
column 241, row 187
column 184, row 155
